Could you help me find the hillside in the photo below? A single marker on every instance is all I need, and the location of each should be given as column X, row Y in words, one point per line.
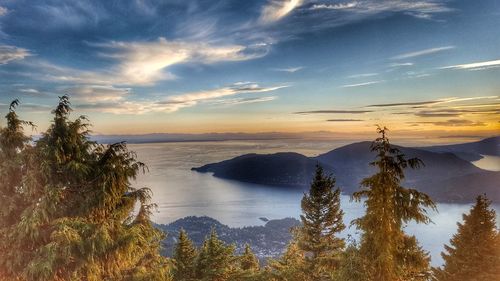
column 267, row 241
column 470, row 151
column 445, row 176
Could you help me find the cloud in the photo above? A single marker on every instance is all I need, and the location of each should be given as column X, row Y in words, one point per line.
column 361, row 84
column 289, row 69
column 12, row 53
column 275, row 10
column 174, row 103
column 422, row 52
column 144, row 63
column 403, row 103
column 423, row 9
column 454, row 112
column 3, row 11
column 333, row 112
column 97, row 93
column 238, row 101
column 339, row 6
column 453, row 123
column 344, row 120
column 475, row 65
column 362, row 75
column 400, row 64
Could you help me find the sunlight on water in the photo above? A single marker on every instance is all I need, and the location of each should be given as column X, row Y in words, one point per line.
column 488, row 162
column 180, row 192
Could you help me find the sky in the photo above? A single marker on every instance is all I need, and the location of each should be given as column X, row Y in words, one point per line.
column 426, row 68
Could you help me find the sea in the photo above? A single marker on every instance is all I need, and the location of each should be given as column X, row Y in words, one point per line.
column 179, row 192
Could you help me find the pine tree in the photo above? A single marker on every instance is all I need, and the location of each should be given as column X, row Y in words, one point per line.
column 184, row 258
column 290, row 267
column 78, row 220
column 321, row 222
column 389, row 252
column 474, row 251
column 216, row 261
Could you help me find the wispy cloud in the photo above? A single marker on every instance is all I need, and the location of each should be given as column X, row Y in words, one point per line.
column 3, row 11
column 453, row 123
column 288, row 69
column 274, row 10
column 422, row 52
column 117, row 104
column 339, row 6
column 432, row 102
column 143, row 63
column 362, row 84
column 344, row 120
column 238, row 101
column 400, row 64
column 475, row 65
column 333, row 112
column 97, row 93
column 12, row 53
column 362, row 75
column 403, row 103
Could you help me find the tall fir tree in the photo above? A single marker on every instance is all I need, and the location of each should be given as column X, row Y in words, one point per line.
column 321, row 223
column 216, row 260
column 184, row 258
column 474, row 251
column 389, row 252
column 78, row 220
column 248, row 260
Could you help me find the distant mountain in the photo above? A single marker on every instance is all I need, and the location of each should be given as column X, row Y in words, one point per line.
column 445, row 176
column 470, row 151
column 269, row 240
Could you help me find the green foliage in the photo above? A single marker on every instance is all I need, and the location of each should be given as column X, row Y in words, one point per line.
column 184, row 258
column 321, row 222
column 248, row 261
column 216, row 261
column 290, row 267
column 392, row 255
column 474, row 252
column 352, row 265
column 75, row 219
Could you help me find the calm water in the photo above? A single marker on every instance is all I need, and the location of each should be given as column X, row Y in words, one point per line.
column 180, row 192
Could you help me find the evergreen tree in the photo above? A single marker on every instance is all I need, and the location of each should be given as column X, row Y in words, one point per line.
column 352, row 265
column 389, row 252
column 184, row 258
column 248, row 260
column 290, row 267
column 216, row 261
column 321, row 222
column 474, row 252
column 77, row 221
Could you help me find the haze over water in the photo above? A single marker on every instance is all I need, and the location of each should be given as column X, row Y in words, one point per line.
column 180, row 192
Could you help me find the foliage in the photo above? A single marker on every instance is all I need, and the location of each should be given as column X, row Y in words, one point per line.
column 321, row 222
column 216, row 261
column 290, row 267
column 392, row 255
column 184, row 258
column 474, row 251
column 76, row 220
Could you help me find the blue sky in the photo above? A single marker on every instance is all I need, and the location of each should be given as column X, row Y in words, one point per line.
column 423, row 67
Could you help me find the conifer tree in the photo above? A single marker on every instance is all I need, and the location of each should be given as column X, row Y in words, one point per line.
column 78, row 220
column 474, row 251
column 321, row 222
column 216, row 261
column 289, row 267
column 389, row 252
column 184, row 258
column 248, row 260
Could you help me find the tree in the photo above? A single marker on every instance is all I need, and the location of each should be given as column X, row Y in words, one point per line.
column 321, row 222
column 184, row 258
column 474, row 251
column 352, row 265
column 389, row 252
column 77, row 221
column 248, row 260
column 290, row 267
column 216, row 261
